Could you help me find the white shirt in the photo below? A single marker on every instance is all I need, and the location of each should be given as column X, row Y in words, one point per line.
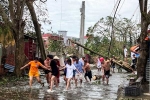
column 125, row 52
column 98, row 63
column 70, row 69
column 132, row 57
column 81, row 60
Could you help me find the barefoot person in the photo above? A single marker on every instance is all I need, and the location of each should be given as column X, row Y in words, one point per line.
column 47, row 72
column 34, row 72
column 106, row 66
column 58, row 65
column 78, row 76
column 69, row 75
column 87, row 70
column 113, row 64
column 98, row 64
column 102, row 68
column 54, row 69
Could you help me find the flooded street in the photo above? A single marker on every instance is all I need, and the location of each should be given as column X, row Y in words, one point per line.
column 88, row 91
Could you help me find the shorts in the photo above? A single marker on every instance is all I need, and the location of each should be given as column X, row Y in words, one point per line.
column 65, row 72
column 74, row 72
column 112, row 66
column 47, row 71
column 133, row 66
column 107, row 73
column 79, row 76
column 88, row 73
column 55, row 73
column 34, row 74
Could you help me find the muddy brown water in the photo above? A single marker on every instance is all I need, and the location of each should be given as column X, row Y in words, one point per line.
column 88, row 91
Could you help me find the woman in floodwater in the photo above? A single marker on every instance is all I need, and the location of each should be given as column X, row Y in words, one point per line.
column 69, row 75
column 34, row 72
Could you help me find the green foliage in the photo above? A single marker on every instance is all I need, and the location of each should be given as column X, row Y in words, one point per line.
column 54, row 46
column 99, row 36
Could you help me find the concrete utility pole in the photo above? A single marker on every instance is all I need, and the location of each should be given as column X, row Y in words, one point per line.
column 82, row 10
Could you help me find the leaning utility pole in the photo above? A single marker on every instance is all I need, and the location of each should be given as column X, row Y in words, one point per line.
column 82, row 10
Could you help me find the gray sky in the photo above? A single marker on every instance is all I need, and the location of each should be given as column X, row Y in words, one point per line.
column 65, row 14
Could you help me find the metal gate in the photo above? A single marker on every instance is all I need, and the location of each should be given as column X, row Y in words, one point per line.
column 148, row 67
column 148, row 70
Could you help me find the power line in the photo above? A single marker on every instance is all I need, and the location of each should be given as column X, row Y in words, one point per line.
column 134, row 12
column 121, row 6
column 114, row 7
column 61, row 15
column 112, row 32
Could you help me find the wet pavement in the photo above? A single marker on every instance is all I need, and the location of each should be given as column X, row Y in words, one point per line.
column 88, row 91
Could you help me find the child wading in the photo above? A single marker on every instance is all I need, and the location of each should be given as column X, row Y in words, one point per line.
column 34, row 72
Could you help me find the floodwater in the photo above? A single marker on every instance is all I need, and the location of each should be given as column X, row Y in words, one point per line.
column 87, row 91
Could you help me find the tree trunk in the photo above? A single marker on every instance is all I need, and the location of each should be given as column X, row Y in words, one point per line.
column 141, row 64
column 16, row 26
column 142, row 60
column 19, row 55
column 37, row 28
column 19, row 47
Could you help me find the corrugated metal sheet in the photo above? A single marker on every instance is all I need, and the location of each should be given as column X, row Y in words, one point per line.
column 148, row 70
column 148, row 67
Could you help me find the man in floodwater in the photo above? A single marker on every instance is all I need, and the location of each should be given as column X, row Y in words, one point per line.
column 78, row 76
column 87, row 70
column 106, row 68
column 47, row 72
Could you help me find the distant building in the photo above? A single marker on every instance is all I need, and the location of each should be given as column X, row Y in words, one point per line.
column 48, row 36
column 62, row 35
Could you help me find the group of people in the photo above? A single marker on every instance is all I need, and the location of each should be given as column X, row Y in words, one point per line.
column 134, row 55
column 74, row 69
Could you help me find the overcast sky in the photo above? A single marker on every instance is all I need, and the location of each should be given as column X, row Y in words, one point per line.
column 65, row 14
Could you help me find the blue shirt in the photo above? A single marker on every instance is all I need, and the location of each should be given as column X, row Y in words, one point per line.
column 79, row 66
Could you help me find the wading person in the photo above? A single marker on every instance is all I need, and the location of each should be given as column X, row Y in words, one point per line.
column 47, row 72
column 65, row 70
column 34, row 72
column 87, row 71
column 82, row 60
column 98, row 64
column 112, row 64
column 54, row 70
column 58, row 65
column 69, row 73
column 102, row 68
column 106, row 67
column 78, row 76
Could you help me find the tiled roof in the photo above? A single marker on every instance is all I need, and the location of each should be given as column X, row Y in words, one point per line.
column 46, row 35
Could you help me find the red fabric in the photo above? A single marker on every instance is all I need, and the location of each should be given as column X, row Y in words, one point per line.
column 146, row 38
column 101, row 59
